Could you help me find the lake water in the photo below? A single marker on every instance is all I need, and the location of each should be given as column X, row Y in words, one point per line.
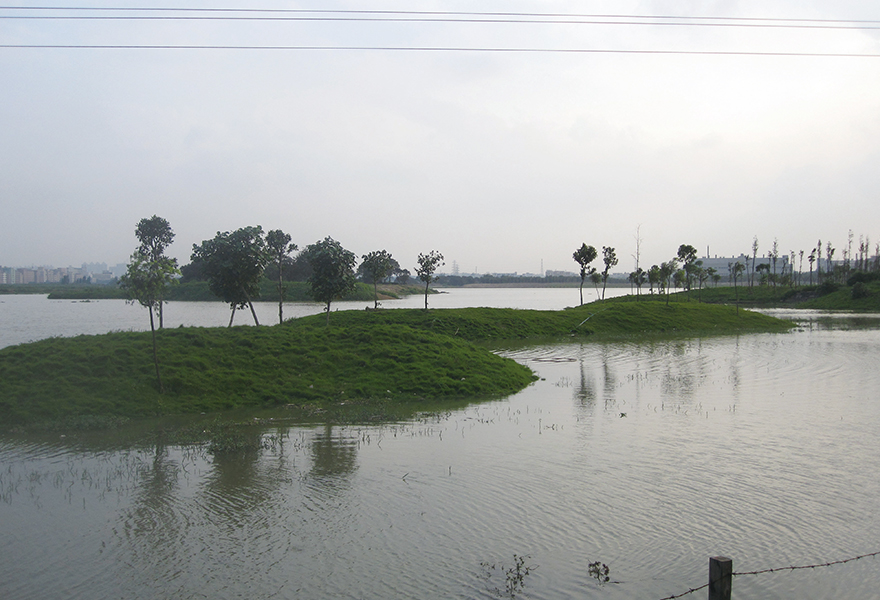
column 648, row 457
column 27, row 318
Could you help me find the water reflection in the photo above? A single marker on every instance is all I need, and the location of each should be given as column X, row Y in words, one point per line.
column 648, row 457
column 333, row 454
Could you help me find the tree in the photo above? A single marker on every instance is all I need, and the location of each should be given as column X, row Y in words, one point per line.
column 378, row 265
column 584, row 256
column 639, row 277
column 610, row 259
column 829, row 260
column 702, row 275
column 812, row 259
column 332, row 271
column 279, row 247
column 754, row 258
column 764, row 272
column 654, row 278
column 144, row 282
column 712, row 273
column 428, row 264
column 233, row 263
column 800, row 275
column 154, row 234
column 596, row 279
column 774, row 256
column 666, row 272
column 736, row 270
column 687, row 254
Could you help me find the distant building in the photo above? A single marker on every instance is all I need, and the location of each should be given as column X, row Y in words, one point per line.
column 721, row 264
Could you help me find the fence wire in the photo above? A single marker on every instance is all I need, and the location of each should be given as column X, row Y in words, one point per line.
column 776, row 569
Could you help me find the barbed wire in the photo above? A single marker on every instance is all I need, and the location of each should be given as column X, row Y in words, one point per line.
column 776, row 569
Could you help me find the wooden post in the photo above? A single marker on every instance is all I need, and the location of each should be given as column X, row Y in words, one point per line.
column 720, row 577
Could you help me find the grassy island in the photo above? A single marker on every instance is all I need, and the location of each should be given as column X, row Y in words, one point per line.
column 369, row 359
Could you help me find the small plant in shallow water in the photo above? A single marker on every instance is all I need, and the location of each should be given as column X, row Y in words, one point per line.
column 600, row 572
column 514, row 577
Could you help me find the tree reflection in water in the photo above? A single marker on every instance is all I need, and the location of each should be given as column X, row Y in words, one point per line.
column 333, row 454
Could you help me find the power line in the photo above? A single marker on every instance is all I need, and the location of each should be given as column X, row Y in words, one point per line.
column 436, row 49
column 438, row 19
column 501, row 16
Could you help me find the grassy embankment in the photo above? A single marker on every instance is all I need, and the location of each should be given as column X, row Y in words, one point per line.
column 825, row 297
column 369, row 361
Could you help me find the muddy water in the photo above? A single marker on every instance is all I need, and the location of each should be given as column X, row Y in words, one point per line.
column 648, row 457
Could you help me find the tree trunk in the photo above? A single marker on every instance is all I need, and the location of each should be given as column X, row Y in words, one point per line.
column 328, row 313
column 280, row 295
column 156, row 353
column 232, row 316
column 161, row 314
column 253, row 312
column 582, row 292
column 375, row 295
column 426, row 294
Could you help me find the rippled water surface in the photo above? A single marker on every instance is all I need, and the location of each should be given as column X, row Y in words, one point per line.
column 649, row 457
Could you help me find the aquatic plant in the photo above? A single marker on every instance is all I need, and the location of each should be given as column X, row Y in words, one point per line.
column 514, row 576
column 600, row 572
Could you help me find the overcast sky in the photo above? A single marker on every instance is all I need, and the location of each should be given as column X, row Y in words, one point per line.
column 498, row 160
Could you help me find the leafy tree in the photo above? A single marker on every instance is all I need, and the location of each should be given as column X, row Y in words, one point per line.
column 596, row 279
column 702, row 276
column 654, row 278
column 687, row 254
column 279, row 247
column 584, row 256
column 609, row 257
column 402, row 276
column 144, row 282
column 233, row 263
column 638, row 277
column 763, row 271
column 155, row 235
column 666, row 272
column 712, row 273
column 332, row 271
column 736, row 270
column 829, row 260
column 812, row 259
column 754, row 258
column 378, row 265
column 428, row 264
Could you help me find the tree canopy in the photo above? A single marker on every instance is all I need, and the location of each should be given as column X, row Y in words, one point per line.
column 378, row 265
column 584, row 256
column 428, row 264
column 278, row 248
column 233, row 263
column 332, row 271
column 609, row 257
column 150, row 272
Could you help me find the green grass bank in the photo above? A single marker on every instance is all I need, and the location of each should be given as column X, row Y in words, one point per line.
column 857, row 298
column 363, row 359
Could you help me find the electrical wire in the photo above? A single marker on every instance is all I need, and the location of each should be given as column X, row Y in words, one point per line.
column 438, row 49
column 551, row 21
column 444, row 16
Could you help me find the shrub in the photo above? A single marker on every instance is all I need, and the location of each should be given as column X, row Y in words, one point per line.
column 860, row 290
column 827, row 287
column 862, row 277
